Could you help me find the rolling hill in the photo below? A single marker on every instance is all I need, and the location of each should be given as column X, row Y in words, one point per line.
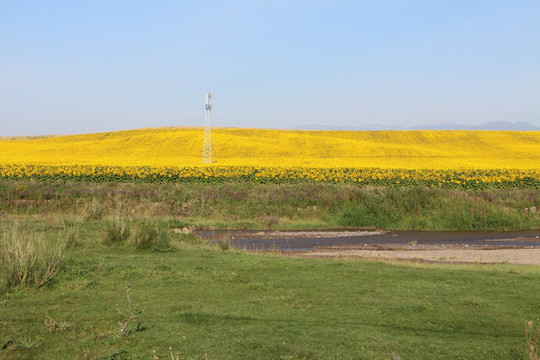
column 180, row 147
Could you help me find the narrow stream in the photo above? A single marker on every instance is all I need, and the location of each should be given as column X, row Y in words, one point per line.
column 307, row 240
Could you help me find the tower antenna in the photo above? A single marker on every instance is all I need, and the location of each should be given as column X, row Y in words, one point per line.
column 207, row 142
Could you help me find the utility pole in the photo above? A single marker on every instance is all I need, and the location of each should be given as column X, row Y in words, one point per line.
column 207, row 143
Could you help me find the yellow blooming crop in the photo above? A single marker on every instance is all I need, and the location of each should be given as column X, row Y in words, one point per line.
column 468, row 179
column 465, row 159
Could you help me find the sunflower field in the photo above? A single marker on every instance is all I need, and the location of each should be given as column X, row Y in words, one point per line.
column 449, row 159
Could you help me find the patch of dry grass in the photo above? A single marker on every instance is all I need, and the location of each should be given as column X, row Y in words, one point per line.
column 28, row 259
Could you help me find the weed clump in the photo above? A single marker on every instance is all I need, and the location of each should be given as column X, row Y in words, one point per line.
column 224, row 245
column 71, row 235
column 116, row 232
column 27, row 259
column 143, row 235
column 148, row 236
column 130, row 314
column 94, row 210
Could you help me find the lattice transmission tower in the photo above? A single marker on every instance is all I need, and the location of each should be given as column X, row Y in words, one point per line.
column 207, row 142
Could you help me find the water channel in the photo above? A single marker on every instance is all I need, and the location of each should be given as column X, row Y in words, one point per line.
column 308, row 240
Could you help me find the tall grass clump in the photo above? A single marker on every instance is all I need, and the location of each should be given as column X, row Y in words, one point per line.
column 116, row 232
column 149, row 236
column 71, row 235
column 94, row 210
column 28, row 259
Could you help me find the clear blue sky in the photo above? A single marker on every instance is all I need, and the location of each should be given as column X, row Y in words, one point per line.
column 71, row 67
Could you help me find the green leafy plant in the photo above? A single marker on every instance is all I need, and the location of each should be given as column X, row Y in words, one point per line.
column 28, row 343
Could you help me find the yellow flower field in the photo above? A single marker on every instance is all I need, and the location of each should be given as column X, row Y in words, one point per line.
column 435, row 158
column 181, row 147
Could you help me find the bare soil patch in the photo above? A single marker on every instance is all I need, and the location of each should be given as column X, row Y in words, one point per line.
column 443, row 253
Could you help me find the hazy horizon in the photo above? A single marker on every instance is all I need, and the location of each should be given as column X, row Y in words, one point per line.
column 77, row 67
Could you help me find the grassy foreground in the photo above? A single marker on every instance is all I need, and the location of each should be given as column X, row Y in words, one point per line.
column 223, row 304
column 93, row 271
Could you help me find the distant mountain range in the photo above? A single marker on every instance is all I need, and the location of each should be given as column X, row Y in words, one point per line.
column 493, row 125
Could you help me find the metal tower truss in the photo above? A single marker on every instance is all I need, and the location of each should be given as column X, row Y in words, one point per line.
column 207, row 143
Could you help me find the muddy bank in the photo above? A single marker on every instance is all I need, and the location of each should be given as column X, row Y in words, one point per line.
column 440, row 254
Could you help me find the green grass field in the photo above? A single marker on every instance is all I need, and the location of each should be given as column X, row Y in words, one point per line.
column 209, row 303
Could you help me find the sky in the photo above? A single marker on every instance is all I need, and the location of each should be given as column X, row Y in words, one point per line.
column 72, row 67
